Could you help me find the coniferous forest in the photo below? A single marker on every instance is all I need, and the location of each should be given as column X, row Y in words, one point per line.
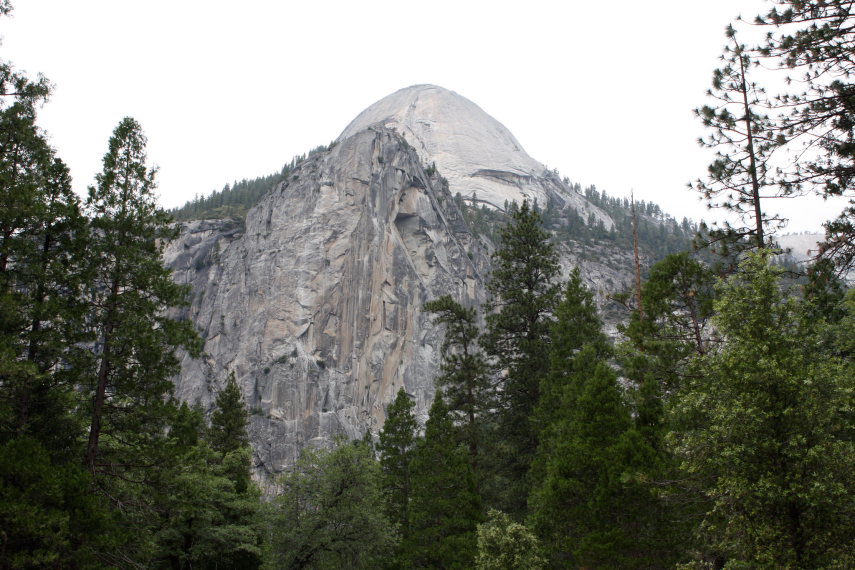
column 715, row 431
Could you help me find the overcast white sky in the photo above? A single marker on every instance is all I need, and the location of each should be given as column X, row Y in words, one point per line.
column 603, row 91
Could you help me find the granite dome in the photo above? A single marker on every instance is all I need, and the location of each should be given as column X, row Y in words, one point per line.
column 478, row 155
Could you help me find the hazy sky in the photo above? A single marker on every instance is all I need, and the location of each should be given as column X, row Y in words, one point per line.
column 603, row 91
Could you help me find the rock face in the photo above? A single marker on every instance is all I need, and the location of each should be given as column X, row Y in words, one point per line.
column 476, row 153
column 316, row 302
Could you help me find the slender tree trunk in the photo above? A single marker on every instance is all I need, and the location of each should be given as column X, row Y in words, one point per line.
column 752, row 157
column 103, row 378
column 32, row 347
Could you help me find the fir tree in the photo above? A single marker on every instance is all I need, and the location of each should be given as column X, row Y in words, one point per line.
column 463, row 375
column 396, row 446
column 590, row 502
column 209, row 512
column 228, row 434
column 229, row 420
column 135, row 340
column 523, row 296
column 445, row 508
column 128, row 374
column 592, row 497
column 48, row 514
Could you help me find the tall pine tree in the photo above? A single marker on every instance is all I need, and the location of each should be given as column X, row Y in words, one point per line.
column 135, row 340
column 523, row 296
column 396, row 447
column 445, row 509
column 464, row 376
column 590, row 502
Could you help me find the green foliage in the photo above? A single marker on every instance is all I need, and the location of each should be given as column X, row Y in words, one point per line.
column 329, row 514
column 48, row 516
column 745, row 139
column 590, row 507
column 675, row 326
column 43, row 238
column 766, row 424
column 444, row 508
column 658, row 233
column 813, row 38
column 464, row 371
column 503, row 544
column 209, row 514
column 229, row 420
column 396, row 447
column 228, row 433
column 136, row 341
column 523, row 295
column 591, row 502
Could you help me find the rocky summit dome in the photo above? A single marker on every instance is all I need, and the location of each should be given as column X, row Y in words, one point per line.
column 476, row 153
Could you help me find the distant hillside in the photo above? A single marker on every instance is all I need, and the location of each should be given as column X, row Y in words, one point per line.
column 658, row 233
column 234, row 200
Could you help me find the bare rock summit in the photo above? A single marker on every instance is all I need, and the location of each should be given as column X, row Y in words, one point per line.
column 478, row 156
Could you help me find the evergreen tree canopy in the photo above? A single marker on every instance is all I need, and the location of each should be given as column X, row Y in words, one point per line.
column 767, row 425
column 813, row 39
column 744, row 138
column 396, row 447
column 328, row 515
column 464, row 372
column 136, row 341
column 229, row 420
column 445, row 508
column 523, row 295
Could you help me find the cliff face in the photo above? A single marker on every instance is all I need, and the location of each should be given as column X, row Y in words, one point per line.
column 317, row 304
column 481, row 159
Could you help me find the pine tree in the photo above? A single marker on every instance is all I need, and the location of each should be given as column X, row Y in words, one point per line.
column 228, row 433
column 745, row 140
column 463, row 375
column 135, row 340
column 679, row 294
column 523, row 296
column 47, row 513
column 445, row 509
column 590, row 500
column 127, row 375
column 396, row 446
column 229, row 419
column 209, row 513
column 42, row 246
column 814, row 39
